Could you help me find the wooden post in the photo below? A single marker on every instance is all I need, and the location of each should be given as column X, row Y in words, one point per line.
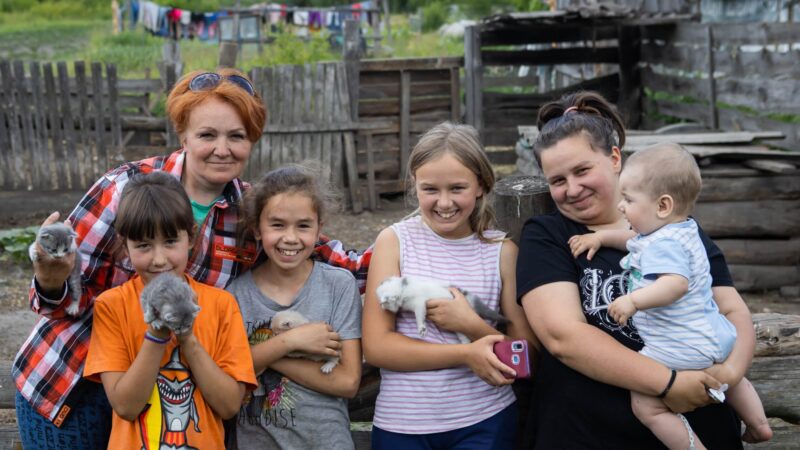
column 227, row 54
column 172, row 138
column 518, row 198
column 405, row 121
column 387, row 21
column 473, row 75
column 352, row 60
column 712, row 84
column 629, row 102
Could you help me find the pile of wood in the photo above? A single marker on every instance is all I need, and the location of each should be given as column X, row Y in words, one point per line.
column 749, row 205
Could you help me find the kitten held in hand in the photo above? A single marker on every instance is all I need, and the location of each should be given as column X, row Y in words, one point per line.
column 285, row 321
column 412, row 295
column 168, row 301
column 58, row 241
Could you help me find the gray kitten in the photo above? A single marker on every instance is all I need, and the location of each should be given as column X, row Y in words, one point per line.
column 412, row 295
column 58, row 240
column 168, row 301
column 285, row 321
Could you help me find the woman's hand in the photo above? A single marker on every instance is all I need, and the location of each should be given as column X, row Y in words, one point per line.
column 482, row 360
column 580, row 243
column 51, row 273
column 453, row 314
column 622, row 309
column 314, row 338
column 688, row 392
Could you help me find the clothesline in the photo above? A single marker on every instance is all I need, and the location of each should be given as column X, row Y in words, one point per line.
column 179, row 23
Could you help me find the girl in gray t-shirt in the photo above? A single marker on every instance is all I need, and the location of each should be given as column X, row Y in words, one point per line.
column 296, row 405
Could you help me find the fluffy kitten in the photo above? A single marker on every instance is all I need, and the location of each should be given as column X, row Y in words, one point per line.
column 58, row 241
column 285, row 321
column 168, row 301
column 412, row 295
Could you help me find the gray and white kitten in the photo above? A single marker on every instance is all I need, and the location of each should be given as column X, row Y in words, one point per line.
column 285, row 321
column 168, row 301
column 58, row 240
column 412, row 295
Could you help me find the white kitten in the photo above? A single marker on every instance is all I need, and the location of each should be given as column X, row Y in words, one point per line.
column 412, row 295
column 285, row 321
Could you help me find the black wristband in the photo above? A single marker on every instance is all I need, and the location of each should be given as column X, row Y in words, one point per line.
column 672, row 376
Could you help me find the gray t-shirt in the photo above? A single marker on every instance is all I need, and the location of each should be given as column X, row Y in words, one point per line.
column 281, row 414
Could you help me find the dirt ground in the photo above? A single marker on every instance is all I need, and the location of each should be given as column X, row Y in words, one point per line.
column 355, row 231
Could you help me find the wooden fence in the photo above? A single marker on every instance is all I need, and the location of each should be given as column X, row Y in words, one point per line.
column 406, row 97
column 755, row 83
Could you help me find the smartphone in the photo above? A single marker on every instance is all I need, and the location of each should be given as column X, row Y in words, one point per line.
column 514, row 354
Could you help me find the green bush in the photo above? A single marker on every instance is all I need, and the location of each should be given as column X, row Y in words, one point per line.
column 14, row 243
column 434, row 15
column 289, row 49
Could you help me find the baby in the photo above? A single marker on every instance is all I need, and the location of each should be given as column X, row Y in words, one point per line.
column 669, row 288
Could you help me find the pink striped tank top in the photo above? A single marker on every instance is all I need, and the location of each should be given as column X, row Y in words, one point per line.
column 448, row 399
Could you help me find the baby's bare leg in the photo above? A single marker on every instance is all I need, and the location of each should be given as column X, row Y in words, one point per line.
column 744, row 400
column 666, row 425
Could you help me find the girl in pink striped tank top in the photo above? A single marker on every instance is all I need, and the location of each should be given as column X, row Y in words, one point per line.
column 435, row 392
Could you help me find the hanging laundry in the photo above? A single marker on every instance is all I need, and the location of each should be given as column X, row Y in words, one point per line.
column 300, row 18
column 314, row 20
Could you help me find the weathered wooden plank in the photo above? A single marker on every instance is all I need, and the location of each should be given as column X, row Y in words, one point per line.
column 473, row 78
column 392, row 106
column 7, row 387
column 761, row 252
column 99, row 125
column 731, row 119
column 693, row 112
column 725, row 137
column 116, row 130
column 372, row 195
column 70, row 149
column 170, row 77
column 392, row 90
column 748, row 277
column 352, row 174
column 548, row 33
column 764, row 94
column 42, row 170
column 455, row 95
column 25, row 112
column 756, row 33
column 397, row 64
column 687, row 87
column 776, row 379
column 771, row 166
column 760, row 219
column 405, row 119
column 11, row 154
column 777, row 334
column 572, row 55
column 55, row 129
column 750, row 188
column 369, row 79
column 89, row 171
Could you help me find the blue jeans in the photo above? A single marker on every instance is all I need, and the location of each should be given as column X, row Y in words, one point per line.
column 495, row 433
column 87, row 426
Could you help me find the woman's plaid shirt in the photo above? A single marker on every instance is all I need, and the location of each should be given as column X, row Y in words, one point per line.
column 50, row 362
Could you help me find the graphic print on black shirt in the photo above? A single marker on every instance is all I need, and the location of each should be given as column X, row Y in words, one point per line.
column 598, row 290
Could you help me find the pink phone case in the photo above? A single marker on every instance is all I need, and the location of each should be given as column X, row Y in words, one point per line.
column 514, row 354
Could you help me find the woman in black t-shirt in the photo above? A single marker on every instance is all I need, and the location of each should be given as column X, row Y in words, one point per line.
column 589, row 363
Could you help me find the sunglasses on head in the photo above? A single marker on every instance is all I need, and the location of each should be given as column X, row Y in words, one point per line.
column 209, row 80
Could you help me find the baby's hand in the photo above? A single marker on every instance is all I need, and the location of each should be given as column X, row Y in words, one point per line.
column 622, row 309
column 315, row 338
column 580, row 243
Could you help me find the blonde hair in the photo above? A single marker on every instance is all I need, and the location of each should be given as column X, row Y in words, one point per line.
column 670, row 170
column 463, row 143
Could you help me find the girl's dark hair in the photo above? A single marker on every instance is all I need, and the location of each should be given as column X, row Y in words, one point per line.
column 292, row 179
column 580, row 112
column 154, row 203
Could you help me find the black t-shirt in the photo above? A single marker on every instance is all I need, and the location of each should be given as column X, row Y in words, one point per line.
column 569, row 409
